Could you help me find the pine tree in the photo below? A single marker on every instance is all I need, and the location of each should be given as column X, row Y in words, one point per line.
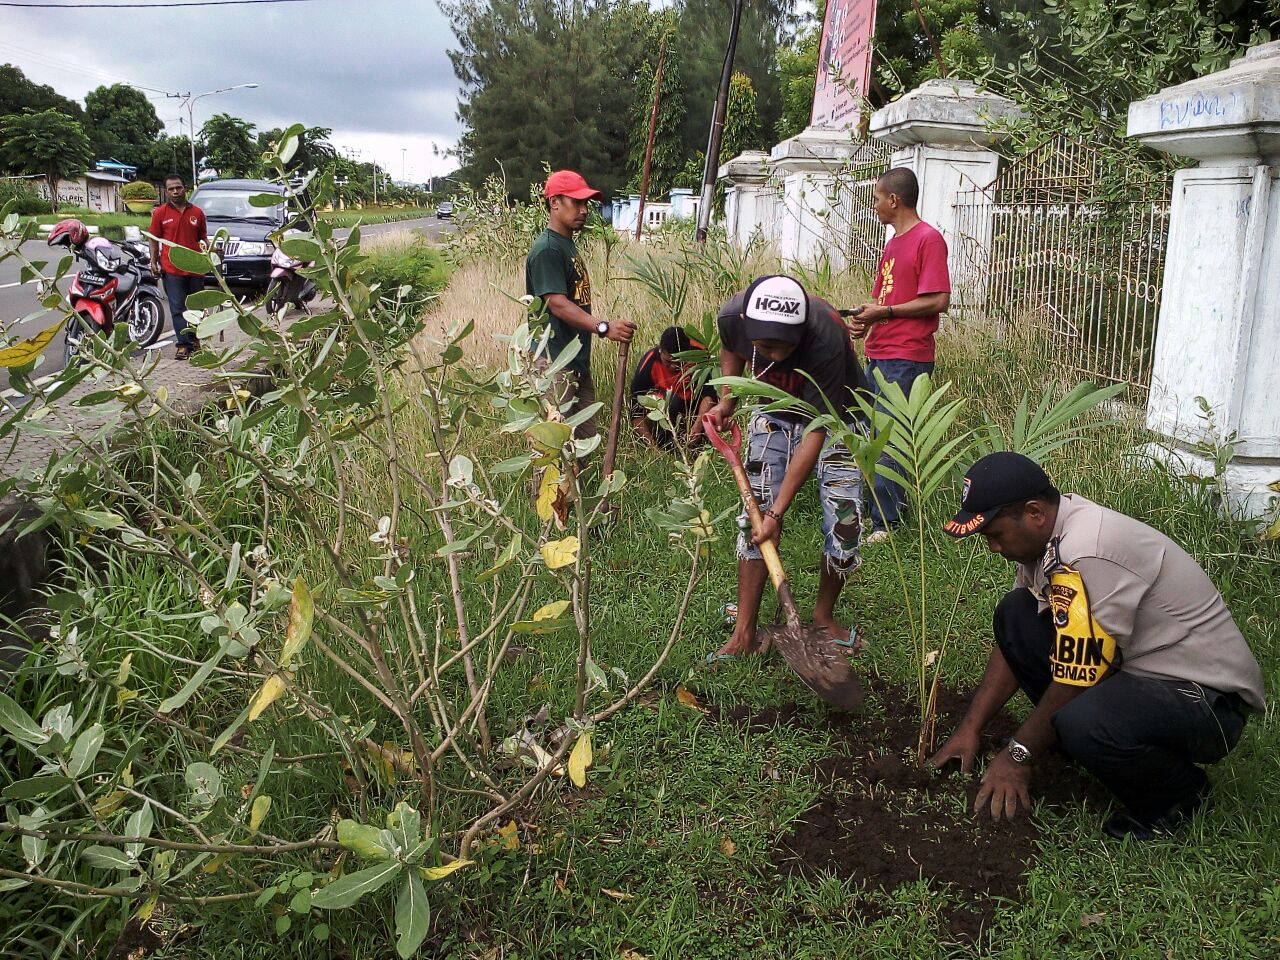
column 547, row 84
column 668, row 150
column 741, row 119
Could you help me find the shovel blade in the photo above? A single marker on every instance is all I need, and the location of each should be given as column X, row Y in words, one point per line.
column 818, row 662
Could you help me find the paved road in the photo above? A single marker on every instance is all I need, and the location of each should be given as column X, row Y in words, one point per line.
column 18, row 301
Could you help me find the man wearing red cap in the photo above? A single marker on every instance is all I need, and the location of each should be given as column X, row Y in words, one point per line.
column 554, row 272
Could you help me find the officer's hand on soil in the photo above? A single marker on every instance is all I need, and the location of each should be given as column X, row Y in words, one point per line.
column 621, row 330
column 769, row 530
column 1004, row 788
column 962, row 746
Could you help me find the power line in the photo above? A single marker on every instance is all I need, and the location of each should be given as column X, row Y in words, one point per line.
column 93, row 73
column 138, row 6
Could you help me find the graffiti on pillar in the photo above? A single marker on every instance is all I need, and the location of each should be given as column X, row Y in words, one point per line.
column 844, row 63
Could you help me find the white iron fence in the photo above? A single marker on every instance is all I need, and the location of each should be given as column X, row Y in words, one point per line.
column 1044, row 246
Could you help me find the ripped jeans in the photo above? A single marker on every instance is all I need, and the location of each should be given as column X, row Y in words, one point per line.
column 771, row 443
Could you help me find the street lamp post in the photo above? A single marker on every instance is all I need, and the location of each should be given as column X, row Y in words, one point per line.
column 191, row 122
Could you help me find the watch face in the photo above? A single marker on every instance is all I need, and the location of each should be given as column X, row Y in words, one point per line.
column 1018, row 753
column 602, row 328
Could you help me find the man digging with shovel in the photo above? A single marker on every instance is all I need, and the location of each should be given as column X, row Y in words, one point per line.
column 796, row 343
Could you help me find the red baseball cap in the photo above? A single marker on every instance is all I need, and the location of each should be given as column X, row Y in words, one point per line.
column 568, row 183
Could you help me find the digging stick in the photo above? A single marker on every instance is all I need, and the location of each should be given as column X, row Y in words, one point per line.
column 615, row 417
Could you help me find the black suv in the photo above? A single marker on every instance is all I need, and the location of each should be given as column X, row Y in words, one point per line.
column 246, row 251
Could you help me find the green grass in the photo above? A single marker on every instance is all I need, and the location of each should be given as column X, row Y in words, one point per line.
column 91, row 219
column 349, row 218
column 673, row 785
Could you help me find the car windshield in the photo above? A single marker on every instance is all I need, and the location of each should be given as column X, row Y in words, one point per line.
column 229, row 205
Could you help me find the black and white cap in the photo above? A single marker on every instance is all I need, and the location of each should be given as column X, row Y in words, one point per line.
column 775, row 308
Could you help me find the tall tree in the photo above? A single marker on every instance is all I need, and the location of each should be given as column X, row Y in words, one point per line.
column 1075, row 66
column 166, row 155
column 964, row 31
column 741, row 119
column 18, row 93
column 48, row 142
column 797, row 74
column 546, row 83
column 701, row 41
column 229, row 146
column 121, row 123
column 668, row 149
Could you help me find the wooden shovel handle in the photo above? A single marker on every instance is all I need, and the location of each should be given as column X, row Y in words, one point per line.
column 615, row 419
column 768, row 548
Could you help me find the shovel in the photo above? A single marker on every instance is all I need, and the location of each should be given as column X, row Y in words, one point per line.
column 809, row 652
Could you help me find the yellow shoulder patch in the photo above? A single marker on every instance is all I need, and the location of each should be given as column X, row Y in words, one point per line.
column 1083, row 651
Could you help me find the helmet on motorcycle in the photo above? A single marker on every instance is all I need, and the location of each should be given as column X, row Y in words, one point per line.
column 68, row 233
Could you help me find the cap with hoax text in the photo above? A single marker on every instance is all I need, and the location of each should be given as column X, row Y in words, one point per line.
column 775, row 308
column 995, row 481
column 569, row 183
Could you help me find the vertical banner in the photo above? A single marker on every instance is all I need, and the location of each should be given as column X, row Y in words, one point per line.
column 844, row 63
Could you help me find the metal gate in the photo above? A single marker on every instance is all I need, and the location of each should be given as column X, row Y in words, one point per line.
column 1048, row 245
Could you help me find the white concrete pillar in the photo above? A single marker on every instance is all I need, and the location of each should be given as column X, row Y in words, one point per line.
column 680, row 205
column 815, row 197
column 942, row 131
column 626, row 210
column 1218, row 335
column 747, row 200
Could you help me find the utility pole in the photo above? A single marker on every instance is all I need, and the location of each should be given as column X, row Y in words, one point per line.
column 653, row 130
column 717, row 127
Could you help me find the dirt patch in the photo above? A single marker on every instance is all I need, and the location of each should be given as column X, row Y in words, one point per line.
column 884, row 823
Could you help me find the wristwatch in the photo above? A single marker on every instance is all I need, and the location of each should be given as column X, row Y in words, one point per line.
column 1018, row 753
column 602, row 329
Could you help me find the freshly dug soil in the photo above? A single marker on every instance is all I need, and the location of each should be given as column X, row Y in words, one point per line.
column 884, row 822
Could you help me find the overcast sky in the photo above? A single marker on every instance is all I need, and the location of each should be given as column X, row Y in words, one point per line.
column 376, row 71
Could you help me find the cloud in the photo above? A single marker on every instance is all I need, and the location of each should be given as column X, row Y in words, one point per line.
column 376, row 71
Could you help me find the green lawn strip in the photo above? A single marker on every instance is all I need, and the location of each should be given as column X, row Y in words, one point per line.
column 349, row 218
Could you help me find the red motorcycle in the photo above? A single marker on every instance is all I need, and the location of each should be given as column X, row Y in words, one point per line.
column 114, row 285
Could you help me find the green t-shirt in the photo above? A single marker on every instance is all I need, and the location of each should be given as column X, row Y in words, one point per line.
column 554, row 266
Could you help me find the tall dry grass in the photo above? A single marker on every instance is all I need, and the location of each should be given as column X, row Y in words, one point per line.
column 486, row 293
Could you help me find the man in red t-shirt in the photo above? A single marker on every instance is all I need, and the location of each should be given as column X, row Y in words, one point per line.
column 180, row 223
column 911, row 288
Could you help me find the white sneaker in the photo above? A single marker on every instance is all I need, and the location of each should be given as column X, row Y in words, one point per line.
column 876, row 536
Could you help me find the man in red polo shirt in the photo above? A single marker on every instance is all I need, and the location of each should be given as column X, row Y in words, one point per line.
column 911, row 288
column 181, row 223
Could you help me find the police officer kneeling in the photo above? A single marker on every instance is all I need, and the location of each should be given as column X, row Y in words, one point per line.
column 1119, row 638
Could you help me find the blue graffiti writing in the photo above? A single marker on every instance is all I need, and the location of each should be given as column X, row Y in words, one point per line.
column 1187, row 111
